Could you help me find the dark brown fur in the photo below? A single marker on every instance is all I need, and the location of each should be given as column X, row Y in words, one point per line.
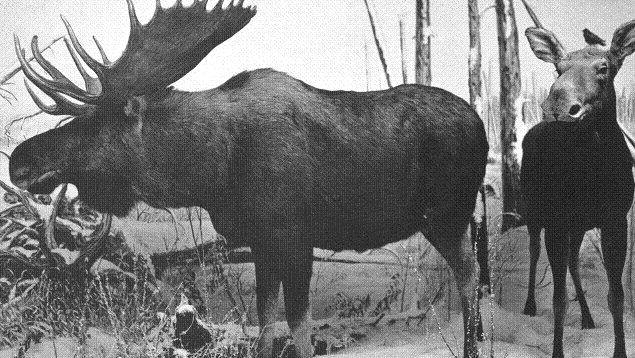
column 284, row 167
column 576, row 174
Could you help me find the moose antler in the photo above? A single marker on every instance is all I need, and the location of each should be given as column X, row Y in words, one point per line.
column 157, row 54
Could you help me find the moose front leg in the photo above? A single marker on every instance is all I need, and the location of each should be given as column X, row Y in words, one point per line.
column 614, row 244
column 574, row 258
column 534, row 255
column 557, row 244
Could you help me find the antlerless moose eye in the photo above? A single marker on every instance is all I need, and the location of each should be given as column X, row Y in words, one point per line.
column 603, row 71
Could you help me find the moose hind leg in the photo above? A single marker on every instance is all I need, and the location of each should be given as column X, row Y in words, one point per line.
column 267, row 291
column 574, row 258
column 455, row 245
column 534, row 255
column 296, row 279
column 614, row 244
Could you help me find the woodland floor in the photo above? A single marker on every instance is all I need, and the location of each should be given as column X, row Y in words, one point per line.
column 440, row 333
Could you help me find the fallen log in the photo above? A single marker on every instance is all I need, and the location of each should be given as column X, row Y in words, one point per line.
column 209, row 253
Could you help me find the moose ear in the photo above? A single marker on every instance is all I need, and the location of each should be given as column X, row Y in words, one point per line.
column 592, row 39
column 135, row 109
column 545, row 45
column 623, row 43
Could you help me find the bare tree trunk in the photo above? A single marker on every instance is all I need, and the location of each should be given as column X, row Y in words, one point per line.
column 423, row 73
column 474, row 60
column 510, row 108
column 380, row 51
column 367, row 66
column 404, row 66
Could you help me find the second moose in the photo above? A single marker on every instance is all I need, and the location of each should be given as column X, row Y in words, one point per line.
column 576, row 172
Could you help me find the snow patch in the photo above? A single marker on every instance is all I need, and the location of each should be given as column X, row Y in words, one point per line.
column 185, row 309
column 68, row 255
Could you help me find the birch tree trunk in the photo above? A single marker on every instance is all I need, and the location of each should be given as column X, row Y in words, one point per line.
column 423, row 73
column 404, row 66
column 474, row 60
column 510, row 109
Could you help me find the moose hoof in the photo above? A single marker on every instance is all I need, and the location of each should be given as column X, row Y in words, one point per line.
column 588, row 323
column 530, row 309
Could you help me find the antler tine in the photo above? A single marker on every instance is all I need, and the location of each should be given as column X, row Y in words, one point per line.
column 174, row 41
column 135, row 25
column 97, row 67
column 218, row 6
column 62, row 105
column 48, row 86
column 93, row 86
column 46, row 65
column 104, row 58
column 48, row 109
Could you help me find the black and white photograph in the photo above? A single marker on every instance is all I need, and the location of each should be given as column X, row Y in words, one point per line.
column 300, row 178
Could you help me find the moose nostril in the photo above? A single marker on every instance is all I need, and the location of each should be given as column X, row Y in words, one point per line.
column 574, row 109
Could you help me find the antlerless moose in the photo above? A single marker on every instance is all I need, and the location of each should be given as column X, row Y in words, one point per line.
column 577, row 172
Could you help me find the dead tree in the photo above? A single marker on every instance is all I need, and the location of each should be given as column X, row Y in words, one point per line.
column 380, row 51
column 510, row 109
column 404, row 66
column 474, row 60
column 423, row 72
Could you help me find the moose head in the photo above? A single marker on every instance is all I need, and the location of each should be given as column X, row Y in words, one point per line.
column 584, row 86
column 101, row 148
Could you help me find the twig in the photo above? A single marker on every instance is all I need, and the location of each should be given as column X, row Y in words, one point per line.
column 486, row 9
column 533, row 16
column 380, row 51
column 8, row 92
column 23, row 118
column 13, row 71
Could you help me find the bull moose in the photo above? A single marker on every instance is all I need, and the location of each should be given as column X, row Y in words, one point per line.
column 280, row 166
column 576, row 171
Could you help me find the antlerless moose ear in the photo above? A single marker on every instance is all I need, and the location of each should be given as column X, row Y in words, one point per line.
column 545, row 45
column 623, row 43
